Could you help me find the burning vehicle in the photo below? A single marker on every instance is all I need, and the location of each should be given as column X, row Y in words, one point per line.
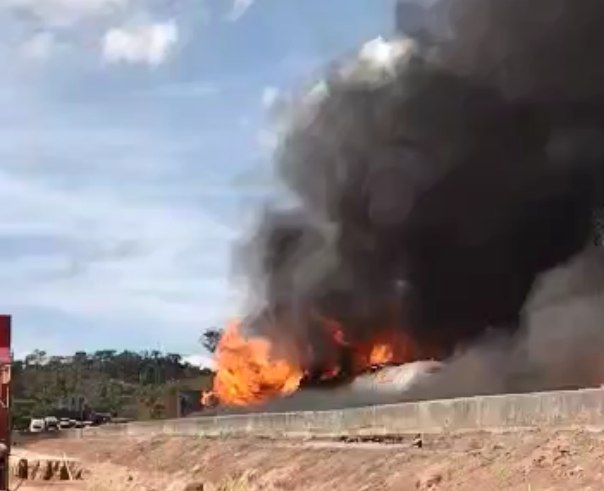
column 447, row 187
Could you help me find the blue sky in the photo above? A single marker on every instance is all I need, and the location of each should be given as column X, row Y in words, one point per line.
column 135, row 145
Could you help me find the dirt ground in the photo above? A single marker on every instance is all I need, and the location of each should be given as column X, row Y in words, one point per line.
column 535, row 460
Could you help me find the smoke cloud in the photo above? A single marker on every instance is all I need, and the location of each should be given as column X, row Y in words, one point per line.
column 446, row 182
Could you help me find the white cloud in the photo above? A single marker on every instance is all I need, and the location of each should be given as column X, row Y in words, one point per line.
column 39, row 47
column 149, row 44
column 113, row 257
column 104, row 228
column 240, row 7
column 268, row 139
column 61, row 13
column 244, row 121
column 270, row 95
column 187, row 90
column 202, row 361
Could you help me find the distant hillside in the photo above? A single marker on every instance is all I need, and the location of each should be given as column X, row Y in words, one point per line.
column 138, row 385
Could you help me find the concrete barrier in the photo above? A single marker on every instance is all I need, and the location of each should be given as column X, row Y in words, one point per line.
column 566, row 409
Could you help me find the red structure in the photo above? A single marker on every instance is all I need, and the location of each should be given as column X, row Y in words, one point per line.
column 5, row 425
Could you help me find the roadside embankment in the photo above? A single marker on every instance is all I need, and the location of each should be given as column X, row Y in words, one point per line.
column 562, row 409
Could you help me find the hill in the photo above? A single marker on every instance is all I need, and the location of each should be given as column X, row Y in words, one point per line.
column 137, row 385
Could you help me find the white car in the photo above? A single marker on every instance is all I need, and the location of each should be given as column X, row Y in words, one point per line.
column 51, row 423
column 64, row 423
column 37, row 425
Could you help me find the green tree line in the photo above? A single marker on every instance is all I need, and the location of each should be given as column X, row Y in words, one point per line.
column 109, row 381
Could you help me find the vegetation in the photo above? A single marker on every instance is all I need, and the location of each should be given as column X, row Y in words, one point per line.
column 210, row 339
column 138, row 385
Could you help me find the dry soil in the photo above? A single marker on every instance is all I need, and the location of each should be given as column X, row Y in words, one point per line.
column 535, row 460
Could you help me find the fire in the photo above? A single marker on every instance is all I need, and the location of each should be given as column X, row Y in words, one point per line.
column 208, row 399
column 387, row 345
column 392, row 346
column 248, row 373
column 381, row 354
column 335, row 331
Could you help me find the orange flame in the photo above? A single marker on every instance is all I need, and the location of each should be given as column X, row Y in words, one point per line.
column 392, row 346
column 381, row 354
column 387, row 345
column 247, row 371
column 334, row 329
column 208, row 398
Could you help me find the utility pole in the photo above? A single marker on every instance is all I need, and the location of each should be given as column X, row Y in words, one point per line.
column 5, row 377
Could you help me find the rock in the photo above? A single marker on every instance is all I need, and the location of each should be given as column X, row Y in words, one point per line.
column 190, row 486
column 418, row 442
column 575, row 471
column 33, row 469
column 431, row 478
column 195, row 486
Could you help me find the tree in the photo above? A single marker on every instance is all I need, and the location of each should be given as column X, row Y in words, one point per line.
column 210, row 339
column 38, row 357
column 108, row 381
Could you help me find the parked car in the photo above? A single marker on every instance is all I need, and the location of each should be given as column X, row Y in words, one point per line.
column 37, row 425
column 65, row 423
column 101, row 418
column 51, row 423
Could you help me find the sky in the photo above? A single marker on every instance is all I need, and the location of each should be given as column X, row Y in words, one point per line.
column 135, row 148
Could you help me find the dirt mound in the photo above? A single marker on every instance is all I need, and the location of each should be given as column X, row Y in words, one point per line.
column 537, row 460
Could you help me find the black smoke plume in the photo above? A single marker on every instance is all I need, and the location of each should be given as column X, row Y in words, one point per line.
column 437, row 175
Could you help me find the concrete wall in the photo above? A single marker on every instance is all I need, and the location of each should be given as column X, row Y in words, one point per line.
column 505, row 412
